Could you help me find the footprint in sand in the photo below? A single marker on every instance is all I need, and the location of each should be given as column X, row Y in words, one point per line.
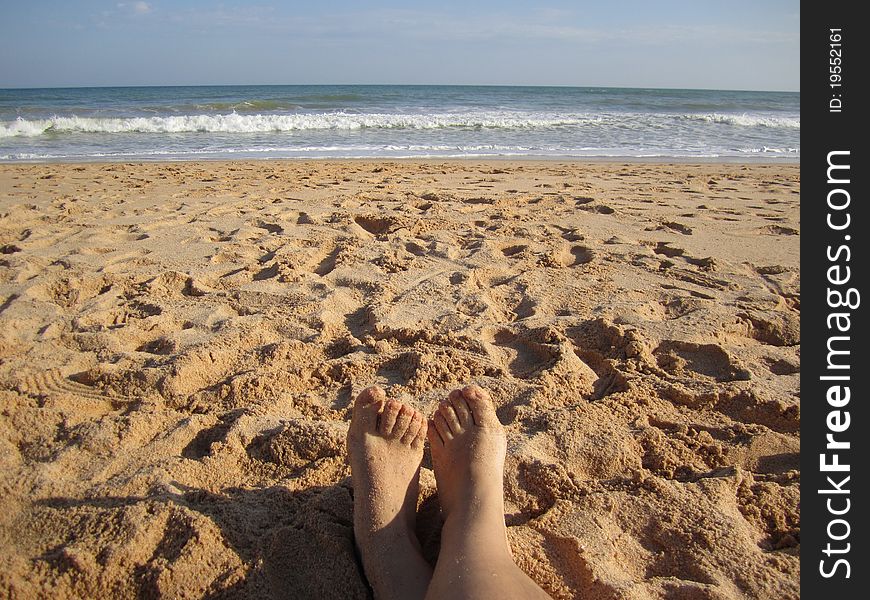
column 270, row 227
column 377, row 225
column 781, row 366
column 778, row 230
column 665, row 249
column 415, row 249
column 269, row 272
column 601, row 209
column 678, row 227
column 327, row 262
column 775, row 328
column 513, row 251
column 161, row 346
column 581, row 255
column 545, row 355
column 523, row 357
column 68, row 291
column 201, row 445
column 295, row 445
column 572, row 256
column 53, row 382
column 709, row 360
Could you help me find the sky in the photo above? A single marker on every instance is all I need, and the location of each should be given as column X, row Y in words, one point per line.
column 705, row 44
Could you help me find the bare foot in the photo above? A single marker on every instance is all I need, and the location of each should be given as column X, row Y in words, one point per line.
column 385, row 447
column 468, row 451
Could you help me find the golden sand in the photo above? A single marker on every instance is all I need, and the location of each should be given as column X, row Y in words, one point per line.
column 179, row 345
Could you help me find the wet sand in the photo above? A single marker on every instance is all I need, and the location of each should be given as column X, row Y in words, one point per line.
column 180, row 344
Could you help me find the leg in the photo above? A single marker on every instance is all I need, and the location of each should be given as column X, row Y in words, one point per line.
column 385, row 446
column 468, row 451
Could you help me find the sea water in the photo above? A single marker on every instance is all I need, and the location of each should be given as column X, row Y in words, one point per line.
column 370, row 121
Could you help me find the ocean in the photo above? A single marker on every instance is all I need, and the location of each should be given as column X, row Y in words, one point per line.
column 372, row 121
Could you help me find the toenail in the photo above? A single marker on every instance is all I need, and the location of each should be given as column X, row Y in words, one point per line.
column 474, row 391
column 374, row 393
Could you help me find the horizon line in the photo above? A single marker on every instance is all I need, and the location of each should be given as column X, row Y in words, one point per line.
column 506, row 85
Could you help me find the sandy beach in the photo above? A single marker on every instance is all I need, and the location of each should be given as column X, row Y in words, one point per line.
column 180, row 344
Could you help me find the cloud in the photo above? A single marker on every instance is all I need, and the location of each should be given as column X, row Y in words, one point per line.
column 137, row 8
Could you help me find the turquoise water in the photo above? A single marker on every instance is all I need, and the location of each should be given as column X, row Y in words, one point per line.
column 186, row 123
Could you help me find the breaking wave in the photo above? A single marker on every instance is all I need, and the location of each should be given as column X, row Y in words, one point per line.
column 234, row 122
column 745, row 120
column 260, row 123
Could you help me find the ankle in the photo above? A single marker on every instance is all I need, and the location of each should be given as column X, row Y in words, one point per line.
column 483, row 529
column 485, row 507
column 397, row 531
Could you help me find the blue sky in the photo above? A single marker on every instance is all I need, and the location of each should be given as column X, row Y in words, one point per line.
column 736, row 44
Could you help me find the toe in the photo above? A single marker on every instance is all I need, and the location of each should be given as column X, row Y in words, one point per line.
column 413, row 427
column 480, row 405
column 432, row 434
column 460, row 407
column 446, row 410
column 373, row 393
column 442, row 427
column 422, row 434
column 367, row 406
column 388, row 417
column 403, row 420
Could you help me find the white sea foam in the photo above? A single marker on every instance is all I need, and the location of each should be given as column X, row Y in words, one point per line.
column 22, row 127
column 242, row 123
column 401, row 151
column 269, row 123
column 745, row 120
column 769, row 150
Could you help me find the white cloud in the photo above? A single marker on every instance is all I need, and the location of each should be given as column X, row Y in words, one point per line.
column 138, row 8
